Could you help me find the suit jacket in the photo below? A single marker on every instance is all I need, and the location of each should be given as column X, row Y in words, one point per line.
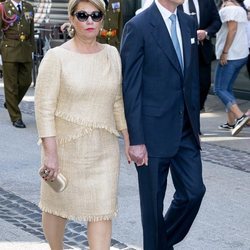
column 156, row 93
column 113, row 21
column 18, row 36
column 209, row 21
column 129, row 8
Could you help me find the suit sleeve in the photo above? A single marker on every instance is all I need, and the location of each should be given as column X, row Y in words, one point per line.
column 195, row 77
column 132, row 55
column 215, row 22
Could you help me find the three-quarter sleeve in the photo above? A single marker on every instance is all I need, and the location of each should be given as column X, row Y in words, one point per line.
column 119, row 113
column 46, row 94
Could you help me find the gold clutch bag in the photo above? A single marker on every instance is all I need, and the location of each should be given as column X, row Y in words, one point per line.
column 59, row 184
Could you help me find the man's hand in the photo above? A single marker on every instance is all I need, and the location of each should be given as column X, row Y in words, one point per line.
column 201, row 35
column 138, row 154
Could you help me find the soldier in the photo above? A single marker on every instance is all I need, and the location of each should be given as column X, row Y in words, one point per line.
column 112, row 27
column 17, row 45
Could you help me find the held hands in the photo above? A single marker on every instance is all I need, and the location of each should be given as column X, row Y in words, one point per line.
column 138, row 154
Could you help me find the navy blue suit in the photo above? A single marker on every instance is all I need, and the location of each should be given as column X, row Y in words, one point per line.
column 162, row 112
column 209, row 21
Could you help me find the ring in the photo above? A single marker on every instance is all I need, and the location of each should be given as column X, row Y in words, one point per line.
column 46, row 171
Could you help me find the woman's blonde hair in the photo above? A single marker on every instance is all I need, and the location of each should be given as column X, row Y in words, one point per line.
column 99, row 4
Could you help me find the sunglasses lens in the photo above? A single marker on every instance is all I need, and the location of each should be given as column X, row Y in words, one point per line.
column 83, row 16
column 96, row 16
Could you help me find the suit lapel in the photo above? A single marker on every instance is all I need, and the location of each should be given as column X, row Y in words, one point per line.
column 186, row 39
column 163, row 39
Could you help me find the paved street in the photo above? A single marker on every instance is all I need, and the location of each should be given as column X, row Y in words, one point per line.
column 222, row 223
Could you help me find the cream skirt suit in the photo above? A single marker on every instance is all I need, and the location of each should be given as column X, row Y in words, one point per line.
column 78, row 100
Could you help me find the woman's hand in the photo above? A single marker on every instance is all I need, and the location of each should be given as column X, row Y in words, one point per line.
column 50, row 165
column 223, row 59
column 232, row 29
column 127, row 144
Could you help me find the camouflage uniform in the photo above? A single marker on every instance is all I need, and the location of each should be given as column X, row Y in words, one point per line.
column 16, row 47
column 112, row 28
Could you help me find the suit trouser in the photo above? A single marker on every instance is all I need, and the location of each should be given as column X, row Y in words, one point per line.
column 17, row 79
column 162, row 232
column 205, row 81
column 248, row 64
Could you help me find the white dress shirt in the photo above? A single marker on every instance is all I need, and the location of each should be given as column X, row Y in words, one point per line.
column 186, row 9
column 165, row 15
column 15, row 4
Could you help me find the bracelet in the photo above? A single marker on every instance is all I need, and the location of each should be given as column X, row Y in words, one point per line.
column 224, row 52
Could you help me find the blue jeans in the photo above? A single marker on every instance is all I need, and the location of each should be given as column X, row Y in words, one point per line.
column 225, row 77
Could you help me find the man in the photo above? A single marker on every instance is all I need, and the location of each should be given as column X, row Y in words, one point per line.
column 17, row 45
column 161, row 96
column 113, row 22
column 129, row 9
column 208, row 22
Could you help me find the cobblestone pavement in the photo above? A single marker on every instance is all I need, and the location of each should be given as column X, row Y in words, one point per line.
column 27, row 216
column 225, row 156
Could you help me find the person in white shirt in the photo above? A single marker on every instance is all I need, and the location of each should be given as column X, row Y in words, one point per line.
column 232, row 52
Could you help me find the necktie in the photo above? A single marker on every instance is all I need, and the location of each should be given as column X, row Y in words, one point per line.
column 175, row 39
column 192, row 11
column 19, row 8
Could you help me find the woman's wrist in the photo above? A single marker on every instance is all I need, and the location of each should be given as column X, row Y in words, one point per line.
column 224, row 52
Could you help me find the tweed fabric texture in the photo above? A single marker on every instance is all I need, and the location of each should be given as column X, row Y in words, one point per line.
column 78, row 100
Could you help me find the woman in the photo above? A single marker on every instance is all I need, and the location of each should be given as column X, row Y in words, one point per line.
column 232, row 52
column 79, row 111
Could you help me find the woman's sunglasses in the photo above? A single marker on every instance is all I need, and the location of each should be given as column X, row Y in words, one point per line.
column 83, row 16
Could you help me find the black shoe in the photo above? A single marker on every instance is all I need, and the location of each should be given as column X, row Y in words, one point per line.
column 19, row 124
column 5, row 105
column 226, row 126
column 240, row 123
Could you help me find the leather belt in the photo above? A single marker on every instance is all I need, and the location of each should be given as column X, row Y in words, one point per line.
column 108, row 33
column 20, row 37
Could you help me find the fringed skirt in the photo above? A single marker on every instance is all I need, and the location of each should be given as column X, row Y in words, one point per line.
column 90, row 162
